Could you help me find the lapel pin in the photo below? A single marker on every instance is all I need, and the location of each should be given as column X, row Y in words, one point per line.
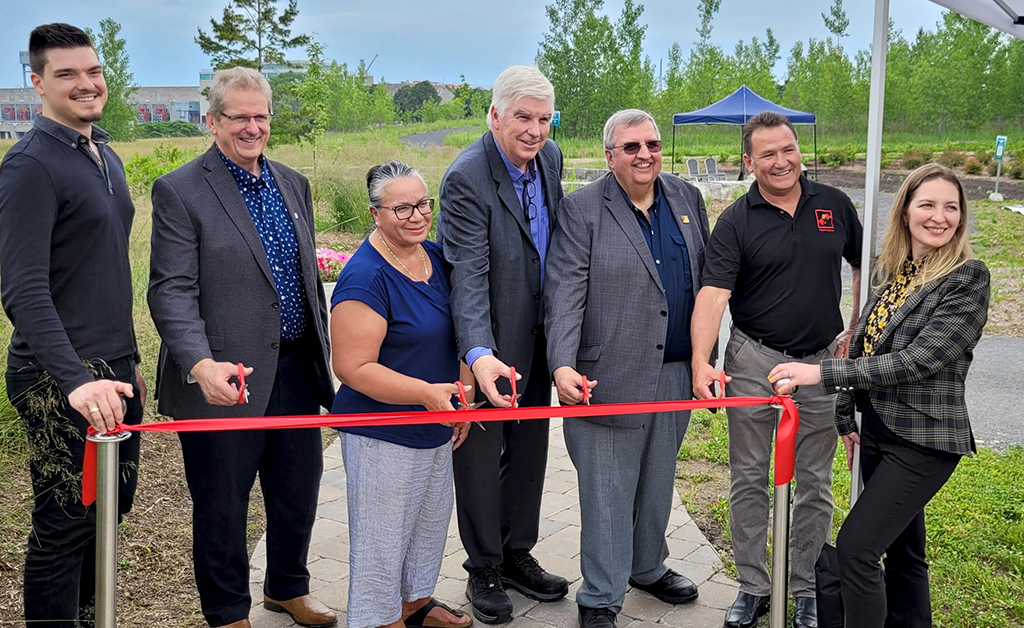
column 685, row 219
column 296, row 214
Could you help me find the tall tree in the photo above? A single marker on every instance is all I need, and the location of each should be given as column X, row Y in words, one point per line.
column 410, row 98
column 836, row 21
column 118, row 115
column 251, row 33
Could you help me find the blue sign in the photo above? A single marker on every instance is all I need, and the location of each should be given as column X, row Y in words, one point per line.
column 1000, row 147
column 556, row 119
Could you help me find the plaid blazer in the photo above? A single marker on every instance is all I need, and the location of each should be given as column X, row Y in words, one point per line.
column 915, row 380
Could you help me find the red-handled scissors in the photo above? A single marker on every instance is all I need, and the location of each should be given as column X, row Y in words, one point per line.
column 586, row 391
column 721, row 387
column 465, row 405
column 243, row 391
column 512, row 378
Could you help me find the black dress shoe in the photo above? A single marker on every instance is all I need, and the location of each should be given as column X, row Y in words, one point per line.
column 806, row 613
column 596, row 617
column 486, row 593
column 523, row 573
column 745, row 610
column 671, row 588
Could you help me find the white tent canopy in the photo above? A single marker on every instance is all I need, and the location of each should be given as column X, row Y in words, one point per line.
column 1004, row 15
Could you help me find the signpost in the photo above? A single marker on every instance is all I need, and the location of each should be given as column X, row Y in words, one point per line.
column 1000, row 151
column 556, row 120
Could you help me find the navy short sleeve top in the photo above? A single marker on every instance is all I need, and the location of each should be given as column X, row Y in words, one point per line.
column 420, row 340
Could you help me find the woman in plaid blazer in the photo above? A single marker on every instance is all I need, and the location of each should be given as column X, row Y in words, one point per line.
column 906, row 370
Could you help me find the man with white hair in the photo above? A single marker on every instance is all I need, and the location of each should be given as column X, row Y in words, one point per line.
column 497, row 212
column 234, row 290
column 623, row 268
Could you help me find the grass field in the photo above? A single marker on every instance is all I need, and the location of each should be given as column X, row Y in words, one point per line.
column 975, row 524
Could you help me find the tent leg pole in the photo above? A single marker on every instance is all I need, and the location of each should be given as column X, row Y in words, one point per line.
column 673, row 149
column 815, row 151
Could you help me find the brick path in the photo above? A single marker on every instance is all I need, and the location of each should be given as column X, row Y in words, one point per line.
column 557, row 550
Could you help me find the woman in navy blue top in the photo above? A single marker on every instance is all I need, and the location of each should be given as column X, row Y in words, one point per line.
column 393, row 348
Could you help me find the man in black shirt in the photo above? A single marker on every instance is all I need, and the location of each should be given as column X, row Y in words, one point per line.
column 65, row 217
column 775, row 258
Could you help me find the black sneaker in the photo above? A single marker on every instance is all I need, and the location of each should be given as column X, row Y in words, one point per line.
column 486, row 592
column 596, row 617
column 522, row 572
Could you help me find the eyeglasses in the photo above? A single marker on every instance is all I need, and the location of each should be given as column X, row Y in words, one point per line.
column 632, row 148
column 404, row 212
column 242, row 120
column 529, row 193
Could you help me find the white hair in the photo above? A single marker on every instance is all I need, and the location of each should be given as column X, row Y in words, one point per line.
column 516, row 83
column 236, row 78
column 379, row 176
column 628, row 118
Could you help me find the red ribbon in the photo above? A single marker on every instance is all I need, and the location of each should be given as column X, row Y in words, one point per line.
column 785, row 442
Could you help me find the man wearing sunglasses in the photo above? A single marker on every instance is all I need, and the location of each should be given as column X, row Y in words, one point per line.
column 234, row 280
column 497, row 212
column 624, row 265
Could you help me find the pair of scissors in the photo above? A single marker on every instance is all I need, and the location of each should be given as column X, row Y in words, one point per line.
column 463, row 403
column 586, row 391
column 243, row 390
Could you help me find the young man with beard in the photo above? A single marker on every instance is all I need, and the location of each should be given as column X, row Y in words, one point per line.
column 65, row 218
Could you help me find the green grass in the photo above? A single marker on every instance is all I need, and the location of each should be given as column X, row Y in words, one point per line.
column 975, row 528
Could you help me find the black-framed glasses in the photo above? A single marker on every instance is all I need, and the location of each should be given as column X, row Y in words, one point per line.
column 632, row 148
column 529, row 193
column 243, row 120
column 404, row 212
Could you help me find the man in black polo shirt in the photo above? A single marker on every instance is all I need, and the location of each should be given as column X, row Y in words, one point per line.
column 775, row 258
column 65, row 218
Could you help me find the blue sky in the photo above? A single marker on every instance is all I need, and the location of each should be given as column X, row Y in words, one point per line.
column 435, row 40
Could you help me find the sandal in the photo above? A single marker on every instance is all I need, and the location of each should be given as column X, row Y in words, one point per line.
column 419, row 619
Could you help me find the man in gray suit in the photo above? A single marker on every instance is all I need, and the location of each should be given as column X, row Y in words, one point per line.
column 497, row 212
column 234, row 285
column 624, row 264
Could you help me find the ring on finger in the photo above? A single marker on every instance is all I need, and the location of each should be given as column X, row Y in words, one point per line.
column 93, row 410
column 790, row 373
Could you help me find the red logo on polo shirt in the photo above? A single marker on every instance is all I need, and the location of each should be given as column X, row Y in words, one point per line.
column 824, row 219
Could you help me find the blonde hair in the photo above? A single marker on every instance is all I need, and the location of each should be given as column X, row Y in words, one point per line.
column 896, row 244
column 245, row 79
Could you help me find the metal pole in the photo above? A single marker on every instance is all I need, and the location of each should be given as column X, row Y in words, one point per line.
column 999, row 170
column 107, row 459
column 780, row 549
column 876, row 105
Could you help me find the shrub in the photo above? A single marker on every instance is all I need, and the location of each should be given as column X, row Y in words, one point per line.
column 972, row 166
column 834, row 157
column 331, row 262
column 914, row 159
column 178, row 128
column 983, row 156
column 1015, row 169
column 723, row 158
column 142, row 170
column 885, row 163
column 991, row 168
column 952, row 158
column 737, row 160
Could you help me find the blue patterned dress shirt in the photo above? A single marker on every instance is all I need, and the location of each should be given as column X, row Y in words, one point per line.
column 277, row 232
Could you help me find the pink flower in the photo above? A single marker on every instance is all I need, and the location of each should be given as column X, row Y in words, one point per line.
column 331, row 262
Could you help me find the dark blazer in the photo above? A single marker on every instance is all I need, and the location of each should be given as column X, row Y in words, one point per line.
column 496, row 288
column 211, row 291
column 604, row 303
column 915, row 380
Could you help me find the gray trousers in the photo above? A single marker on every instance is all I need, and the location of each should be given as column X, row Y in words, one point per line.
column 626, row 490
column 751, row 431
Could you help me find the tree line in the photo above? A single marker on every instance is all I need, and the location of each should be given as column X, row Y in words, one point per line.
column 961, row 77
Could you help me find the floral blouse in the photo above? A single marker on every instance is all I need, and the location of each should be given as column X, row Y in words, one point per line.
column 890, row 301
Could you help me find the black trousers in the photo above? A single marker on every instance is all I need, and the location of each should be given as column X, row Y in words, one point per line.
column 221, row 467
column 60, row 561
column 900, row 478
column 499, row 478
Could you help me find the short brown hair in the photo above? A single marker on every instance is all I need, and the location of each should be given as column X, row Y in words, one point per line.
column 764, row 120
column 56, row 35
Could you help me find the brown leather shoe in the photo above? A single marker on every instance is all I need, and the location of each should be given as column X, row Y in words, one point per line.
column 241, row 623
column 306, row 610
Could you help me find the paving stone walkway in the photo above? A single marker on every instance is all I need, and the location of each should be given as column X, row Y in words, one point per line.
column 558, row 551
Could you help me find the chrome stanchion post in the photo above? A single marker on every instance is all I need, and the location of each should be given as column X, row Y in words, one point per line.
column 107, row 459
column 780, row 538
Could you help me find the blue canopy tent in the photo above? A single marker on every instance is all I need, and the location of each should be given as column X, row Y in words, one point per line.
column 737, row 108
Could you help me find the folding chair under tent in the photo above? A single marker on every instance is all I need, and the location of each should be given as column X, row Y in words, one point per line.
column 737, row 108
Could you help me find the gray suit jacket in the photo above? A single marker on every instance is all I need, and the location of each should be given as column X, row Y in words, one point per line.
column 495, row 266
column 211, row 291
column 605, row 308
column 915, row 380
